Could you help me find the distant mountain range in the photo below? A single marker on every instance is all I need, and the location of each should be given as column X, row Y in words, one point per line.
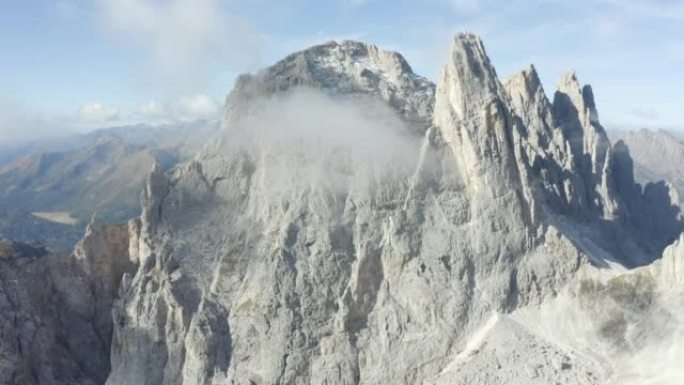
column 658, row 155
column 50, row 190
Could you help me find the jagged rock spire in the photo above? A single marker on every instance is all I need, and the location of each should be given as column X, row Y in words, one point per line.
column 473, row 119
column 575, row 110
column 571, row 99
column 528, row 98
column 530, row 104
column 469, row 76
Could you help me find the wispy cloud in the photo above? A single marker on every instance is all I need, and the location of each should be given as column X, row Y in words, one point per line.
column 645, row 113
column 151, row 111
column 185, row 41
column 97, row 113
column 198, row 106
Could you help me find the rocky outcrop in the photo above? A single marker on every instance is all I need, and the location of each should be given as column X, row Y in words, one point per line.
column 340, row 68
column 581, row 176
column 48, row 332
column 56, row 309
column 475, row 122
column 106, row 253
column 670, row 268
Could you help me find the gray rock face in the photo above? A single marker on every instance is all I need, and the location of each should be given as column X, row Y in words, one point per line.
column 56, row 309
column 658, row 156
column 341, row 68
column 47, row 331
column 350, row 227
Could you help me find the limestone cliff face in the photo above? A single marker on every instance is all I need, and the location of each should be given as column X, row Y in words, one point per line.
column 670, row 268
column 569, row 160
column 56, row 309
column 357, row 223
column 475, row 121
column 104, row 256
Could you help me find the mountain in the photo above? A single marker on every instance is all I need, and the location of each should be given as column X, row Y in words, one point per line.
column 355, row 223
column 658, row 155
column 52, row 195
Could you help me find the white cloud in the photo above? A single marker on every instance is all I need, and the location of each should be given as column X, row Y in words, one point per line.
column 184, row 41
column 97, row 113
column 645, row 113
column 152, row 110
column 363, row 131
column 198, row 106
column 21, row 121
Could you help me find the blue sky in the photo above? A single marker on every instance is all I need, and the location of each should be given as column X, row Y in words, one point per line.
column 76, row 64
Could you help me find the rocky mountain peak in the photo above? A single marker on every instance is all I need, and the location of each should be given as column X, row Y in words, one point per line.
column 357, row 53
column 525, row 84
column 530, row 102
column 468, row 79
column 590, row 148
column 340, row 68
column 473, row 117
column 573, row 102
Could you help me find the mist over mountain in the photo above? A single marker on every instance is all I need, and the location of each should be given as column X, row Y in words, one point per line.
column 353, row 223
